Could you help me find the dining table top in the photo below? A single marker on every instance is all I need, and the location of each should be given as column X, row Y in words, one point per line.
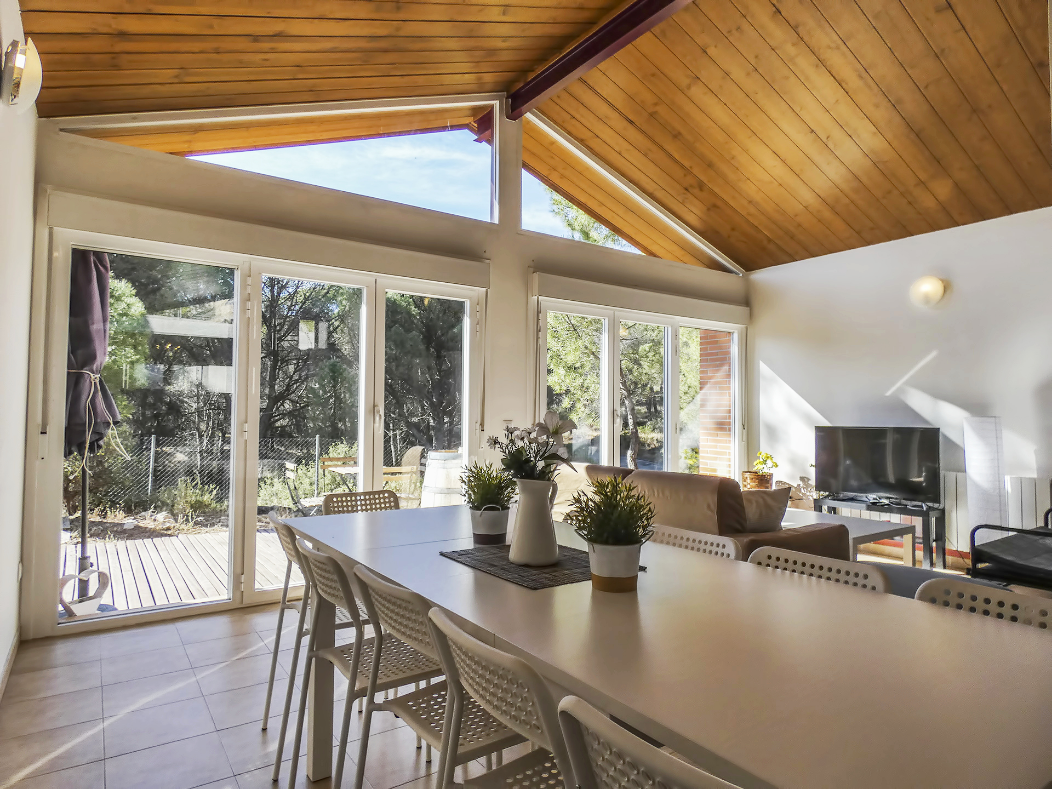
column 764, row 678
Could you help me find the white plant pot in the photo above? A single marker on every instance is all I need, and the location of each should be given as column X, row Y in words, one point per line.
column 533, row 540
column 489, row 526
column 615, row 568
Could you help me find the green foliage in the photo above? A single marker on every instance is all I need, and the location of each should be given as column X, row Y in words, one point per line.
column 689, row 365
column 581, row 226
column 188, row 498
column 575, row 366
column 273, row 492
column 642, row 384
column 487, row 486
column 613, row 513
column 764, row 463
column 692, row 460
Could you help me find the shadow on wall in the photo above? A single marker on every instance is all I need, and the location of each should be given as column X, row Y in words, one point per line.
column 787, row 426
column 1020, row 454
column 1043, row 406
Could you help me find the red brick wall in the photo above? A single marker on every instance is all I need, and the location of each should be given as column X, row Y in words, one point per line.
column 716, row 431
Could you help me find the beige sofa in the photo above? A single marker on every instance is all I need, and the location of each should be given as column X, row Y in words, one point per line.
column 709, row 505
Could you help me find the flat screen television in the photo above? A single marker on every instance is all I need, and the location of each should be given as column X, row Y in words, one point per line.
column 898, row 463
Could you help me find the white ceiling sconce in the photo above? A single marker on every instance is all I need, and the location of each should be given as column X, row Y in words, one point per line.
column 927, row 291
column 22, row 75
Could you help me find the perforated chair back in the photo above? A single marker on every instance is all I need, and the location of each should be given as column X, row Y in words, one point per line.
column 972, row 598
column 861, row 576
column 606, row 756
column 365, row 501
column 507, row 687
column 287, row 538
column 711, row 544
column 328, row 579
column 397, row 610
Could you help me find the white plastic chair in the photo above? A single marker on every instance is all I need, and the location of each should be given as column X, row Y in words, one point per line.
column 861, row 576
column 397, row 664
column 426, row 710
column 287, row 538
column 606, row 756
column 711, row 544
column 364, row 501
column 963, row 595
column 510, row 690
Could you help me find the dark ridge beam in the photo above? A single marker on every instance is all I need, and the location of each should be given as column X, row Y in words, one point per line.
column 606, row 40
column 484, row 127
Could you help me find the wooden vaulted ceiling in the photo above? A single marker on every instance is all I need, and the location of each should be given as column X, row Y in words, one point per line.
column 775, row 129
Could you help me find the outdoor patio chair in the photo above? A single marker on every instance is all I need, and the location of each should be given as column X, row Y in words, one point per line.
column 511, row 690
column 380, row 663
column 861, row 576
column 365, row 501
column 304, row 506
column 962, row 595
column 338, row 465
column 606, row 756
column 426, row 710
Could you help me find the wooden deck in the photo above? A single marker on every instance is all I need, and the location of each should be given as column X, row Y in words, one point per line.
column 188, row 568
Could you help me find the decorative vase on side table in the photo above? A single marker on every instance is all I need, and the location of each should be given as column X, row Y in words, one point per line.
column 762, row 475
column 531, row 456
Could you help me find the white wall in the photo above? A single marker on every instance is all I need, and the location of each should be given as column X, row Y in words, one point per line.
column 830, row 338
column 17, row 135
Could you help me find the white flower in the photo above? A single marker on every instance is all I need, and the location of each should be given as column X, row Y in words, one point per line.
column 562, row 452
column 555, row 427
column 491, row 442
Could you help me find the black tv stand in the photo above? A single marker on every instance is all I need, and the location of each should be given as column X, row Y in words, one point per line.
column 933, row 520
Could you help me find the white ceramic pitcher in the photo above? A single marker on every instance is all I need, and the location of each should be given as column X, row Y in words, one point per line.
column 533, row 541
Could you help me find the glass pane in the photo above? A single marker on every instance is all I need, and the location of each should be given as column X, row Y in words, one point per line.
column 575, row 380
column 424, row 398
column 159, row 490
column 546, row 211
column 642, row 396
column 309, row 405
column 706, row 391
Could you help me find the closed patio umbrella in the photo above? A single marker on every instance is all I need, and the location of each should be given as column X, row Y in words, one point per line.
column 90, row 410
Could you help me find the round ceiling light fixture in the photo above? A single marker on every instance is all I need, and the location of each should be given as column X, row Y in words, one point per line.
column 22, row 75
column 927, row 291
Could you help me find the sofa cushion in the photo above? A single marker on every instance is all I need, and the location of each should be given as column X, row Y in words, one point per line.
column 764, row 509
column 570, row 481
column 712, row 505
column 831, row 540
column 596, row 471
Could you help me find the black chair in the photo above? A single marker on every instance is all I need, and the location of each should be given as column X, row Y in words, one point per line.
column 1023, row 557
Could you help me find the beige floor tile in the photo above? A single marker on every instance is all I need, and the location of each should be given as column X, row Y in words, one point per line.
column 139, row 639
column 50, row 712
column 51, row 750
column 220, row 650
column 141, row 729
column 209, row 628
column 126, row 668
column 248, row 747
column 52, row 682
column 86, row 776
column 244, row 705
column 178, row 765
column 393, row 759
column 150, row 692
column 225, row 783
column 45, row 653
column 236, row 674
column 260, row 779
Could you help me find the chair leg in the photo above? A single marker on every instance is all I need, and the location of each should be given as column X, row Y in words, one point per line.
column 341, row 754
column 291, row 688
column 500, row 758
column 277, row 645
column 299, row 724
column 363, row 744
column 443, row 754
column 453, row 742
column 489, row 762
column 419, row 742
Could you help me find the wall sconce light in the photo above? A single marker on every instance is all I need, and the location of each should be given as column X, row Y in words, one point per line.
column 22, row 75
column 927, row 291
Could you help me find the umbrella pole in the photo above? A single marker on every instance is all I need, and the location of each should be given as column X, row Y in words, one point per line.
column 85, row 562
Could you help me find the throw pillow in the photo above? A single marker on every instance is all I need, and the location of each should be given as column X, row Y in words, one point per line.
column 764, row 509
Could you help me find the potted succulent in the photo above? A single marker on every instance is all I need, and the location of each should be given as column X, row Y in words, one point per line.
column 761, row 477
column 615, row 520
column 531, row 456
column 488, row 492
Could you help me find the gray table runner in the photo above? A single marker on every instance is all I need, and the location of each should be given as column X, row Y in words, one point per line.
column 572, row 567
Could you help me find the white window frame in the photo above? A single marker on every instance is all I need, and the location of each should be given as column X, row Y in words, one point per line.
column 610, row 410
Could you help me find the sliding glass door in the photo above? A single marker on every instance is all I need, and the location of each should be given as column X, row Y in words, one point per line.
column 664, row 396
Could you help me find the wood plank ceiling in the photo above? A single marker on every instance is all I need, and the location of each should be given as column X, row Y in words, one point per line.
column 785, row 129
column 776, row 129
column 109, row 56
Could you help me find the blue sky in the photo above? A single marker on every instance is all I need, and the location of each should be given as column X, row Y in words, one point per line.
column 443, row 171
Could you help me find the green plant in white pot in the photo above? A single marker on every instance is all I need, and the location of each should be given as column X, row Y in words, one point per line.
column 615, row 519
column 488, row 492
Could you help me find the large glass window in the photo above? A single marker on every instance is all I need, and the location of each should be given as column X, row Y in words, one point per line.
column 665, row 392
column 158, row 514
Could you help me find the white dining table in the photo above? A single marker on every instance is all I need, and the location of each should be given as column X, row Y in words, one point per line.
column 763, row 678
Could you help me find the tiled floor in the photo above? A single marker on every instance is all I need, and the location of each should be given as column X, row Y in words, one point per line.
column 171, row 706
